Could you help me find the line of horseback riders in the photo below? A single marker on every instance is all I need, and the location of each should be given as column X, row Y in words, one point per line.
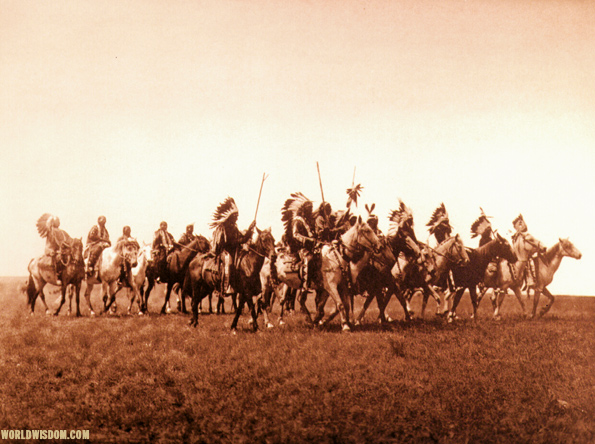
column 306, row 232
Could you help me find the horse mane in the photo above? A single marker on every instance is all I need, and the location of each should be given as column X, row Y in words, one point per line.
column 124, row 242
column 226, row 211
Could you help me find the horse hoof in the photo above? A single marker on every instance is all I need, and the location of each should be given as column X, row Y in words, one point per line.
column 269, row 325
column 234, row 332
column 357, row 323
column 346, row 328
column 389, row 319
column 281, row 322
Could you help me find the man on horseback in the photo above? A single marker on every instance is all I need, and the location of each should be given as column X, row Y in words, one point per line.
column 188, row 236
column 57, row 240
column 324, row 228
column 482, row 227
column 97, row 241
column 526, row 246
column 126, row 234
column 299, row 232
column 227, row 238
column 163, row 245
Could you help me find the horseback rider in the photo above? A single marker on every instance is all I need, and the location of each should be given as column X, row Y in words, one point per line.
column 188, row 236
column 324, row 228
column 439, row 224
column 125, row 273
column 126, row 234
column 526, row 246
column 482, row 227
column 163, row 245
column 372, row 221
column 97, row 241
column 57, row 240
column 299, row 231
column 227, row 238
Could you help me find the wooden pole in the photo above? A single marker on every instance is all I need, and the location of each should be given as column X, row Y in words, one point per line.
column 264, row 177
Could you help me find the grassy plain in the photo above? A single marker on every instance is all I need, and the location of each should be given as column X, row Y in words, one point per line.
column 153, row 379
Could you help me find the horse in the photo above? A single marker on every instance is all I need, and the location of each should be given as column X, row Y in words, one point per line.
column 470, row 275
column 377, row 281
column 203, row 276
column 546, row 266
column 42, row 272
column 413, row 275
column 448, row 254
column 109, row 269
column 139, row 275
column 171, row 270
column 341, row 265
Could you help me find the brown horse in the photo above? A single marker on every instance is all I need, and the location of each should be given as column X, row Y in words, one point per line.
column 42, row 272
column 171, row 270
column 203, row 276
column 469, row 276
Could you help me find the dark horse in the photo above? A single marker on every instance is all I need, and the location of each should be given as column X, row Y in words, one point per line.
column 171, row 270
column 42, row 272
column 203, row 276
column 468, row 276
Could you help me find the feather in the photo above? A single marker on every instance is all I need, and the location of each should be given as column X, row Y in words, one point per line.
column 290, row 209
column 439, row 219
column 226, row 212
column 398, row 217
column 353, row 193
column 480, row 225
column 42, row 224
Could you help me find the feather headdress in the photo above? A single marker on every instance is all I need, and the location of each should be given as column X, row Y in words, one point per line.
column 399, row 217
column 480, row 225
column 353, row 193
column 226, row 212
column 43, row 224
column 439, row 219
column 291, row 208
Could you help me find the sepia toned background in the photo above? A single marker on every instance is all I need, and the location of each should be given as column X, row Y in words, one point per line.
column 148, row 110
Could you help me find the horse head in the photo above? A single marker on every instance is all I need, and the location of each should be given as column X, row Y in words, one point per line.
column 568, row 249
column 361, row 237
column 504, row 249
column 459, row 252
column 77, row 251
column 202, row 244
column 265, row 242
column 128, row 249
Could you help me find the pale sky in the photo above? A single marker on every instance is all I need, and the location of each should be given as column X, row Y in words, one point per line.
column 145, row 111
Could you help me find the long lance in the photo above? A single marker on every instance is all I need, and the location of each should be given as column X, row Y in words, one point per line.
column 264, row 177
column 322, row 193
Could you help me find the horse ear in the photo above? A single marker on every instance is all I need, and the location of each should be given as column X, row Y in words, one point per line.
column 372, row 207
column 359, row 219
column 258, row 230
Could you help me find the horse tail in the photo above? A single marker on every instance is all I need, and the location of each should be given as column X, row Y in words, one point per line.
column 29, row 289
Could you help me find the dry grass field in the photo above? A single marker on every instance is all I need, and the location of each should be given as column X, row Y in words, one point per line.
column 154, row 379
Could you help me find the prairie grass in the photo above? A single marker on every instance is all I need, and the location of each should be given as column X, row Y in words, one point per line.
column 154, row 379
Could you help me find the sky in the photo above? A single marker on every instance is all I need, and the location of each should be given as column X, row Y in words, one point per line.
column 145, row 111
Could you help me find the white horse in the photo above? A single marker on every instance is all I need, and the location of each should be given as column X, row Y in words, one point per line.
column 139, row 275
column 546, row 265
column 109, row 269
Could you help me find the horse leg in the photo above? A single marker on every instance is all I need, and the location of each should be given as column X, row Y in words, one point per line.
column 195, row 294
column 62, row 299
column 77, row 296
column 369, row 298
column 88, row 290
column 455, row 303
column 234, row 323
column 165, row 309
column 535, row 302
column 147, row 292
column 474, row 302
column 333, row 291
column 548, row 304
